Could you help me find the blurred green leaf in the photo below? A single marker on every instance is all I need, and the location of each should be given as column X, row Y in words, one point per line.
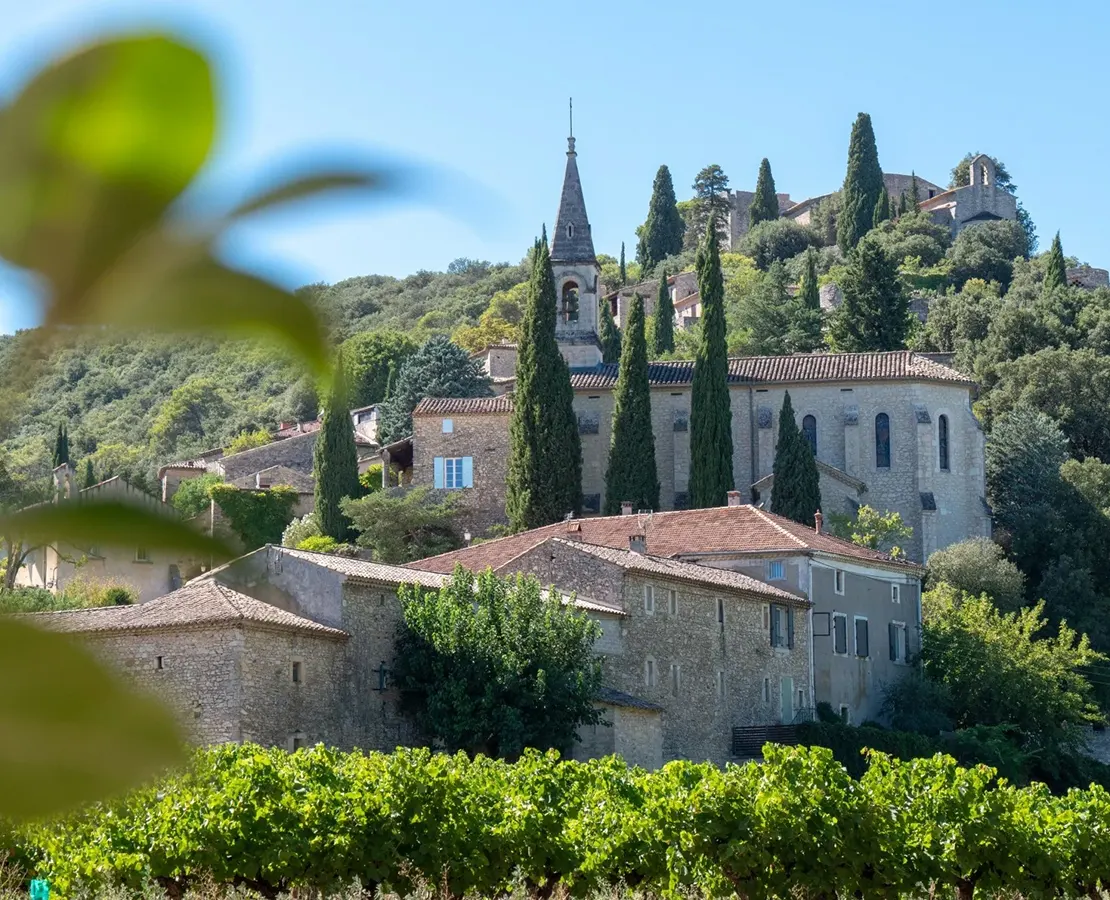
column 307, row 186
column 70, row 733
column 93, row 152
column 109, row 523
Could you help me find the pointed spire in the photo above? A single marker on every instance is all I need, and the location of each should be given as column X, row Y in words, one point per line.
column 571, row 241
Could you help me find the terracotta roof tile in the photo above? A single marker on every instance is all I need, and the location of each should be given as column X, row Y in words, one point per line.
column 682, row 533
column 441, row 406
column 201, row 602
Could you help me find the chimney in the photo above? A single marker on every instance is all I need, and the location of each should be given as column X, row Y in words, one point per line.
column 637, row 543
column 818, row 521
column 63, row 482
column 466, row 538
column 626, row 507
column 733, row 498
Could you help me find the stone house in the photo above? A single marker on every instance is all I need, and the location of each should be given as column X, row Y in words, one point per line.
column 149, row 571
column 682, row 286
column 738, row 216
column 895, row 184
column 862, row 609
column 980, row 201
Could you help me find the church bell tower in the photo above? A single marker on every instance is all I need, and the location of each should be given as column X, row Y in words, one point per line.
column 577, row 273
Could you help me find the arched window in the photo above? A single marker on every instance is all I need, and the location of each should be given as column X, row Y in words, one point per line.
column 882, row 441
column 809, row 432
column 942, row 441
column 570, row 302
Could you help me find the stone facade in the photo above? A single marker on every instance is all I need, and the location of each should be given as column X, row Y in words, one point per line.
column 1088, row 277
column 979, row 201
column 738, row 216
column 632, row 732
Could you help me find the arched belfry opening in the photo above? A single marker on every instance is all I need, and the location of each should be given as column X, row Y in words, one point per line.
column 568, row 307
column 981, row 170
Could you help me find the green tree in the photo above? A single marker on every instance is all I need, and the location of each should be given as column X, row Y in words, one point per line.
column 495, row 666
column 796, row 491
column 883, row 531
column 335, row 460
column 401, row 527
column 663, row 333
column 631, row 473
column 765, row 204
column 914, row 234
column 610, row 335
column 863, row 183
column 711, row 475
column 999, row 671
column 1056, row 271
column 193, row 411
column 248, row 440
column 544, row 479
column 369, row 356
column 809, row 293
column 623, row 270
column 712, row 204
column 875, row 314
column 192, row 497
column 882, row 209
column 661, row 234
column 89, row 478
column 776, row 240
column 439, row 368
column 61, row 447
column 764, row 313
column 978, row 566
column 256, row 518
column 986, row 251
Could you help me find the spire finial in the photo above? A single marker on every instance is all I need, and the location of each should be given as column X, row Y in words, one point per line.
column 570, row 138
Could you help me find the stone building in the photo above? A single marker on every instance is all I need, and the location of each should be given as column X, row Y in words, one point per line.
column 857, row 613
column 896, row 185
column 738, row 216
column 982, row 200
column 683, row 288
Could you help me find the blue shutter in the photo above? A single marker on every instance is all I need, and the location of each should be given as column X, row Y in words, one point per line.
column 468, row 471
column 439, row 471
column 790, row 628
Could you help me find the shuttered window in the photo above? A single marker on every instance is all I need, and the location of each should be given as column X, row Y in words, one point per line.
column 863, row 649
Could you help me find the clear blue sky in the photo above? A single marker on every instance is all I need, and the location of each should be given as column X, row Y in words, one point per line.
column 480, row 92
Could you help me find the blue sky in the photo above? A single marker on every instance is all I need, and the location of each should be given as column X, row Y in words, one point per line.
column 477, row 93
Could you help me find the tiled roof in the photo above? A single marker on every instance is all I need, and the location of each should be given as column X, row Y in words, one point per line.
column 682, row 533
column 619, row 698
column 683, row 571
column 807, row 368
column 201, row 602
column 456, row 406
column 364, row 570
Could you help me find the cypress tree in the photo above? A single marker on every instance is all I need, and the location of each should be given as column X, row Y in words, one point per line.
column 663, row 334
column 662, row 232
column 710, row 409
column 903, row 204
column 631, row 474
column 624, row 271
column 335, row 460
column 806, row 319
column 610, row 336
column 862, row 184
column 1056, row 271
column 90, row 477
column 796, row 492
column 875, row 314
column 912, row 204
column 808, row 292
column 544, row 480
column 765, row 204
column 882, row 208
column 61, row 446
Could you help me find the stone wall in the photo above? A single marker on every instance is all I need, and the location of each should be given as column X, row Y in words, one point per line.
column 294, row 453
column 635, row 735
column 739, row 218
column 984, row 201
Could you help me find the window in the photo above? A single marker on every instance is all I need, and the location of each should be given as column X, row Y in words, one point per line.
column 895, row 594
column 570, row 229
column 840, row 634
column 296, row 673
column 720, row 684
column 897, row 632
column 672, row 603
column 721, row 611
column 297, row 742
column 676, row 678
column 649, row 673
column 942, row 441
column 782, row 626
column 801, row 699
column 845, row 714
column 158, row 663
column 809, row 432
column 766, row 690
column 453, row 472
column 776, row 570
column 570, row 301
column 863, row 650
column 649, row 599
column 838, row 581
column 448, row 426
column 882, row 441
column 142, row 555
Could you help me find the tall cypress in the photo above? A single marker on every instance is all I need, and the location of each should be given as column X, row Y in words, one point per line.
column 1056, row 271
column 610, row 336
column 765, row 204
column 61, row 446
column 710, row 408
column 808, row 292
column 544, row 480
column 913, row 191
column 796, row 492
column 631, row 474
column 875, row 314
column 806, row 321
column 862, row 185
column 335, row 460
column 662, row 232
column 882, row 209
column 624, row 271
column 663, row 334
column 90, row 477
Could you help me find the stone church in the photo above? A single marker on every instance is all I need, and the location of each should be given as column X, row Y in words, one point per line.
column 892, row 430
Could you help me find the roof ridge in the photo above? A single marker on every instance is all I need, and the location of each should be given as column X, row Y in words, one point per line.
column 785, row 531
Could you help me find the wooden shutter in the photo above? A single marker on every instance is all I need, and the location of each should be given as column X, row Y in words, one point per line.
column 790, row 628
column 892, row 630
column 437, row 464
column 468, row 471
